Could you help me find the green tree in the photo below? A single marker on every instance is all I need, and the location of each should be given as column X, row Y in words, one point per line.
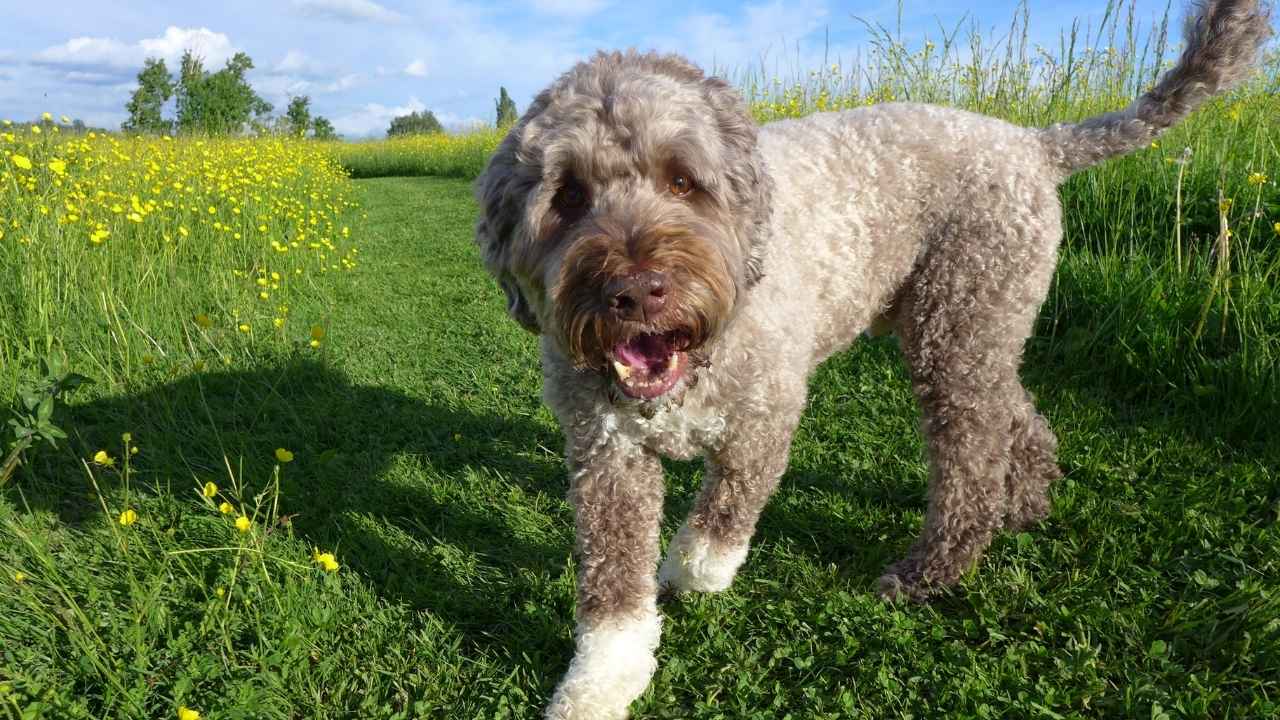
column 415, row 123
column 155, row 87
column 219, row 103
column 507, row 114
column 298, row 116
column 322, row 129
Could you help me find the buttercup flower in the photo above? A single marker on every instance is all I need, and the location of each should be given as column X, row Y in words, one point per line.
column 128, row 517
column 209, row 490
column 283, row 455
column 186, row 713
column 226, row 508
column 22, row 161
column 102, row 458
column 243, row 524
column 326, row 561
column 1257, row 179
column 19, row 577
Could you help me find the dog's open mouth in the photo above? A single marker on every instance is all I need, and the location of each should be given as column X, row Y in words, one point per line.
column 646, row 366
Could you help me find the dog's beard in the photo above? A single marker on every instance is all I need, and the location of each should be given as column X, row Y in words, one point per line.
column 645, row 360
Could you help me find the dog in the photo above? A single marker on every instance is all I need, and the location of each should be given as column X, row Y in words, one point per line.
column 686, row 271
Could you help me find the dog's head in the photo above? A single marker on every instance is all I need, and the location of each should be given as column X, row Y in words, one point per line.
column 624, row 216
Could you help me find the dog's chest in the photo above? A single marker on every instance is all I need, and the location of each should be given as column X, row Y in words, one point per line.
column 677, row 432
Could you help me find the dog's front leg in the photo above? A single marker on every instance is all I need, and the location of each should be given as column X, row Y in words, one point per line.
column 708, row 549
column 616, row 490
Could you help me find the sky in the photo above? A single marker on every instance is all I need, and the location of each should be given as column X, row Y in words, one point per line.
column 363, row 62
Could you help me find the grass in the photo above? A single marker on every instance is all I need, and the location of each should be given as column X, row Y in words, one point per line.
column 422, row 463
column 431, row 471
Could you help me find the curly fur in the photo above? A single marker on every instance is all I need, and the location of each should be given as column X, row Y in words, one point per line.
column 938, row 224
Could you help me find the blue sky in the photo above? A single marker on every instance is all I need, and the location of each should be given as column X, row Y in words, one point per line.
column 364, row 61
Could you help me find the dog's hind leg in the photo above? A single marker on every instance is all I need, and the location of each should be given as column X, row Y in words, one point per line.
column 707, row 550
column 965, row 315
column 1033, row 467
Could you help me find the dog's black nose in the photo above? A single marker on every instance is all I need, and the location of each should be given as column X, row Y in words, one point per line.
column 638, row 296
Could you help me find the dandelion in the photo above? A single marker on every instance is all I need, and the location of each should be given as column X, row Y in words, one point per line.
column 284, row 456
column 102, row 458
column 1257, row 179
column 209, row 490
column 226, row 508
column 22, row 161
column 186, row 713
column 326, row 561
column 128, row 517
column 244, row 524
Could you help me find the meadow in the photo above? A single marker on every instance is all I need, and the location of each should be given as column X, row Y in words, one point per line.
column 306, row 471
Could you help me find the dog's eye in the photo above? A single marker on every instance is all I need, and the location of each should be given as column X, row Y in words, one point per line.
column 571, row 198
column 680, row 185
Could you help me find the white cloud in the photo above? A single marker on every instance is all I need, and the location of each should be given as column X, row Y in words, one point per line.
column 570, row 8
column 360, row 10
column 417, row 68
column 104, row 54
column 374, row 118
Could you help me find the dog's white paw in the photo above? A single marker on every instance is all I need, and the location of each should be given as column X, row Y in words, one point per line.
column 611, row 667
column 695, row 563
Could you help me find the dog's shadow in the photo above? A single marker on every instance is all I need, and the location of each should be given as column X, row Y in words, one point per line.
column 413, row 494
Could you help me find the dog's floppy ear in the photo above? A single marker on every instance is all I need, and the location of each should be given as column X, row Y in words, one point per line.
column 750, row 186
column 501, row 194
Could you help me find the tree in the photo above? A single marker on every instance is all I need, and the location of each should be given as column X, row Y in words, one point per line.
column 155, row 87
column 415, row 123
column 322, row 129
column 219, row 103
column 507, row 114
column 299, row 115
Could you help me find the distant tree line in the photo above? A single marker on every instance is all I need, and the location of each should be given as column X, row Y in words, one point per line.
column 213, row 103
column 424, row 122
column 223, row 102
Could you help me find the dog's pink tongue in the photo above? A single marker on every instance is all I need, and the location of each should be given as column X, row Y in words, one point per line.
column 644, row 351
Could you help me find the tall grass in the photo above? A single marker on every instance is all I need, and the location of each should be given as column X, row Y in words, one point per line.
column 440, row 154
column 152, row 257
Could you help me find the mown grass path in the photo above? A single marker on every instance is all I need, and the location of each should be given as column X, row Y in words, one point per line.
column 425, row 461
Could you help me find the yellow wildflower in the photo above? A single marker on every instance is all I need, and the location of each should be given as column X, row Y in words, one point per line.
column 102, row 458
column 134, row 217
column 326, row 561
column 186, row 713
column 1257, row 179
column 97, row 236
column 19, row 577
column 283, row 455
column 226, row 508
column 128, row 517
column 1225, row 204
column 243, row 524
column 244, row 327
column 317, row 333
column 35, row 129
column 47, row 117
column 209, row 490
column 126, row 437
column 22, row 161
column 1276, row 227
column 58, row 166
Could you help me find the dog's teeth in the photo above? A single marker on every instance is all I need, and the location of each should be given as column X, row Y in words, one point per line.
column 623, row 371
column 675, row 359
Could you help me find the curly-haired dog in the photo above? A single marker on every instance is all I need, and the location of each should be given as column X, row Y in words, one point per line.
column 687, row 271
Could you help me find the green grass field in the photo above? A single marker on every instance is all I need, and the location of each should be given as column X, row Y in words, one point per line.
column 340, row 495
column 424, row 461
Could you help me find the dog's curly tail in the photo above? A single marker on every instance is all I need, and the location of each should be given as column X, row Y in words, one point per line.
column 1222, row 38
